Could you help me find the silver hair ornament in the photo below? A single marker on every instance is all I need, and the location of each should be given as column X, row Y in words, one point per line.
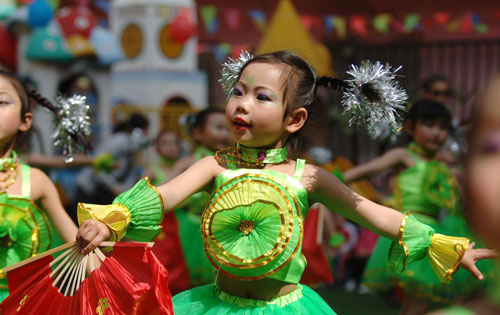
column 71, row 119
column 231, row 70
column 390, row 97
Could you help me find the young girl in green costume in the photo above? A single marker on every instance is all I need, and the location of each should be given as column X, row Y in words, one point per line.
column 426, row 187
column 29, row 203
column 208, row 128
column 252, row 225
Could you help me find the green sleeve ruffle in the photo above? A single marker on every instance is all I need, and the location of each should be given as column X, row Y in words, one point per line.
column 418, row 240
column 134, row 214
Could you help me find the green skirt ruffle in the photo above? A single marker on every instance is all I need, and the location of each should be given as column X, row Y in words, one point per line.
column 418, row 278
column 209, row 299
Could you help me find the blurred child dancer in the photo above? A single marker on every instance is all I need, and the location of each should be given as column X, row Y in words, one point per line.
column 208, row 128
column 168, row 148
column 425, row 186
column 30, row 208
column 252, row 226
column 482, row 185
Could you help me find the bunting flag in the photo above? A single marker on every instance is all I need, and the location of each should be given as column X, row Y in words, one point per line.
column 412, row 22
column 467, row 25
column 480, row 28
column 221, row 51
column 209, row 17
column 396, row 25
column 328, row 23
column 340, row 27
column 258, row 18
column 441, row 18
column 357, row 23
column 232, row 18
column 381, row 23
column 454, row 25
column 311, row 22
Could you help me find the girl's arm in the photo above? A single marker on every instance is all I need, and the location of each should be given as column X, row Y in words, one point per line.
column 390, row 159
column 137, row 213
column 43, row 190
column 181, row 165
column 197, row 177
column 415, row 239
column 330, row 191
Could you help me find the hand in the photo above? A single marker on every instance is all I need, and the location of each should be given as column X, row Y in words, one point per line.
column 472, row 255
column 90, row 235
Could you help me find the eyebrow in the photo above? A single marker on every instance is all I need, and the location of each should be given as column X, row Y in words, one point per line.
column 245, row 86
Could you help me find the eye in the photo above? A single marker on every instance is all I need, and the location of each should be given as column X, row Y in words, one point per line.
column 428, row 122
column 237, row 91
column 263, row 97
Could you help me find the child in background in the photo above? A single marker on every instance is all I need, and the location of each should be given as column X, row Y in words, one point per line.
column 208, row 129
column 168, row 147
column 426, row 187
column 252, row 226
column 30, row 208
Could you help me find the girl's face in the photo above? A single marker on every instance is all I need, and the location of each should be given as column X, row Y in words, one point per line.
column 256, row 109
column 214, row 135
column 167, row 145
column 10, row 113
column 483, row 169
column 430, row 133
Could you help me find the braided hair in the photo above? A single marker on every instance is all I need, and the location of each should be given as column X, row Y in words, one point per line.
column 30, row 96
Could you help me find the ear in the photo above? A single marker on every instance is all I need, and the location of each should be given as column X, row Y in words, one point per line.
column 296, row 120
column 409, row 127
column 26, row 122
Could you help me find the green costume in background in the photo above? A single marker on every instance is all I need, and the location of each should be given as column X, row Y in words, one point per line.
column 425, row 189
column 189, row 216
column 25, row 230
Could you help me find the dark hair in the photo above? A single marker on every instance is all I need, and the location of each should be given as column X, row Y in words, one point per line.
column 29, row 96
column 426, row 109
column 300, row 83
column 199, row 119
column 430, row 80
column 132, row 122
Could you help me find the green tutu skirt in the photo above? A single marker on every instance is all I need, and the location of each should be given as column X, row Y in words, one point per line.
column 418, row 278
column 209, row 299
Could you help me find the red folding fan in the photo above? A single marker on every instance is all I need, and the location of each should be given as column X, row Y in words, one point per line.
column 129, row 281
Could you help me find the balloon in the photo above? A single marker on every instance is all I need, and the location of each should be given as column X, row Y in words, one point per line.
column 183, row 26
column 76, row 21
column 39, row 13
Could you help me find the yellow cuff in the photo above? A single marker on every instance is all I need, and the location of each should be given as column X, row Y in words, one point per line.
column 445, row 255
column 116, row 217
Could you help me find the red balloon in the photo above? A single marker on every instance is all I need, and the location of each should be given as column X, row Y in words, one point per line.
column 183, row 26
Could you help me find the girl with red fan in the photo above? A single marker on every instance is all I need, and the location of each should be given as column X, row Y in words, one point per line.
column 30, row 208
column 252, row 226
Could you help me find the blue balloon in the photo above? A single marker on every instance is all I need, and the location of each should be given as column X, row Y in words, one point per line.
column 39, row 13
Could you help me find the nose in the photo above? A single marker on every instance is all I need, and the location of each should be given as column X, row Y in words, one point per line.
column 243, row 104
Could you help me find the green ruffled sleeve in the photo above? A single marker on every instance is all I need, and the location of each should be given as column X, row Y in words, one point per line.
column 417, row 240
column 135, row 213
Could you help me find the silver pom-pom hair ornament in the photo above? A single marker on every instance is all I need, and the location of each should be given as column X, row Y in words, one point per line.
column 374, row 96
column 231, row 70
column 71, row 124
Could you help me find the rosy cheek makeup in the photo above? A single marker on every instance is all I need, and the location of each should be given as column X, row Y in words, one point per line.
column 490, row 144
